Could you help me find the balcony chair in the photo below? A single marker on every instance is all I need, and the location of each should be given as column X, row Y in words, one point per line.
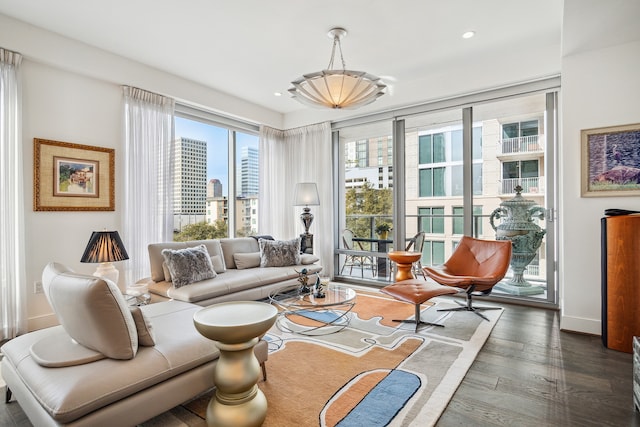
column 475, row 265
column 360, row 261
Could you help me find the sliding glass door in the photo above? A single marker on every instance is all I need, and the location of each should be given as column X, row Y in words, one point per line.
column 477, row 185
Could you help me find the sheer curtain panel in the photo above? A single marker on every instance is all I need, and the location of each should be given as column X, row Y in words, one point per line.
column 287, row 157
column 148, row 178
column 13, row 296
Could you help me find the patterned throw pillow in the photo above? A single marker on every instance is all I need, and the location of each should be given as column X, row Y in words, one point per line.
column 279, row 253
column 189, row 265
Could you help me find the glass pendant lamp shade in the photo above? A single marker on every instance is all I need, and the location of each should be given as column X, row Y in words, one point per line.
column 337, row 89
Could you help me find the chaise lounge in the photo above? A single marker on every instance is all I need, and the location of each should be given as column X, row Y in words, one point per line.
column 107, row 364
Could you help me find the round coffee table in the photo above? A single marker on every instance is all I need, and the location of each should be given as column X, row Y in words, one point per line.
column 404, row 260
column 305, row 314
column 235, row 328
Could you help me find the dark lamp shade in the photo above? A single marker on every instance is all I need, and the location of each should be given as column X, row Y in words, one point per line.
column 104, row 246
column 306, row 194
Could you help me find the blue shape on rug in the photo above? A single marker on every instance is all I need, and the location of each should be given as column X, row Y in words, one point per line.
column 321, row 316
column 384, row 401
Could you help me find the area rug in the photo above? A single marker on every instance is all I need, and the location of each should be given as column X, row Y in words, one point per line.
column 374, row 372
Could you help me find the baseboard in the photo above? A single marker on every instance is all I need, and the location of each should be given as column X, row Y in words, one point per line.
column 581, row 325
column 41, row 322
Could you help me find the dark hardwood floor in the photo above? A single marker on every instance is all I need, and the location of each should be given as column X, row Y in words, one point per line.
column 529, row 373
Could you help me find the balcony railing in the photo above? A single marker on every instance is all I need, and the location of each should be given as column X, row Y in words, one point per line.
column 529, row 185
column 521, row 144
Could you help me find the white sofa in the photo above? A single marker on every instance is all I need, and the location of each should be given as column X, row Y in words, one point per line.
column 238, row 273
column 108, row 364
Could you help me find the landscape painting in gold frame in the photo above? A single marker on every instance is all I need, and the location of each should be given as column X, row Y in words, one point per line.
column 72, row 177
column 611, row 161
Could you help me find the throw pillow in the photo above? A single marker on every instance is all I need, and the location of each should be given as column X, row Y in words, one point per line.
column 218, row 264
column 92, row 311
column 146, row 336
column 216, row 261
column 279, row 253
column 247, row 260
column 189, row 265
column 306, row 259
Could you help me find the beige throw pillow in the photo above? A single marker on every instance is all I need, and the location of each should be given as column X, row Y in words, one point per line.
column 146, row 336
column 92, row 311
column 247, row 260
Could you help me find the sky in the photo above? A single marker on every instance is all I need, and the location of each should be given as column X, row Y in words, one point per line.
column 217, row 146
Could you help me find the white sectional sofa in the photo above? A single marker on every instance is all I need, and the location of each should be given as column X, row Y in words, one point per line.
column 239, row 275
column 108, row 364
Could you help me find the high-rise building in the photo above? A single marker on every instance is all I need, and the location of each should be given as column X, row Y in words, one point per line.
column 248, row 175
column 214, row 188
column 190, row 182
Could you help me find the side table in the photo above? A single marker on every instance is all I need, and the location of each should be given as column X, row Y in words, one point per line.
column 404, row 260
column 137, row 295
column 235, row 328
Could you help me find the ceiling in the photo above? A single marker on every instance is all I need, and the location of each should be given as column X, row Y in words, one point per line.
column 253, row 48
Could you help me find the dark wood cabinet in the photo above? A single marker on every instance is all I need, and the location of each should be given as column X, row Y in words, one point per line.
column 620, row 281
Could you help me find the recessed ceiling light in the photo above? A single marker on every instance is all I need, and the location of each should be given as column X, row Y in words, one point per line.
column 468, row 34
column 277, row 93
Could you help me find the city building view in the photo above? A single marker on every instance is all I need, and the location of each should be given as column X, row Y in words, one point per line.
column 201, row 181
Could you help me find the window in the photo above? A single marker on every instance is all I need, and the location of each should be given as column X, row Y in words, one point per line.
column 204, row 176
column 523, row 172
column 440, row 162
column 458, row 221
column 433, row 252
column 431, row 220
column 518, row 129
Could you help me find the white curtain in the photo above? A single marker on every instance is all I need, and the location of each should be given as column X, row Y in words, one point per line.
column 13, row 296
column 148, row 176
column 286, row 158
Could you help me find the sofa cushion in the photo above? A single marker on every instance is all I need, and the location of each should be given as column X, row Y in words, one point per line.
column 247, row 260
column 156, row 259
column 279, row 253
column 218, row 264
column 231, row 246
column 189, row 265
column 146, row 336
column 92, row 311
column 306, row 259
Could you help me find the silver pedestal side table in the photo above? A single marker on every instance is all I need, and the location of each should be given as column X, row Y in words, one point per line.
column 236, row 327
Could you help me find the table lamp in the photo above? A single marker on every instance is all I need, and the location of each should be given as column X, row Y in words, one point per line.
column 306, row 194
column 105, row 247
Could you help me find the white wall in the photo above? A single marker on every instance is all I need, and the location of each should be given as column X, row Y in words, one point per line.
column 63, row 106
column 600, row 87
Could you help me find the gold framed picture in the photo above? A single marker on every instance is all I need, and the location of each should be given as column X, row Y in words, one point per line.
column 72, row 177
column 611, row 161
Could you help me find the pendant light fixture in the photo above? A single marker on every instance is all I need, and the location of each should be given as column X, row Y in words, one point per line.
column 338, row 89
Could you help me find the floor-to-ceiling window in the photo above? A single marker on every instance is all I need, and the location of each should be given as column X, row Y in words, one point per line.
column 459, row 165
column 216, row 176
column 366, row 204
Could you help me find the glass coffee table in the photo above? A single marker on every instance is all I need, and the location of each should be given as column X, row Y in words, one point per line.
column 305, row 314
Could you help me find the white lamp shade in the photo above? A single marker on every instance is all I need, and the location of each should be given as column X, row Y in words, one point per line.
column 306, row 194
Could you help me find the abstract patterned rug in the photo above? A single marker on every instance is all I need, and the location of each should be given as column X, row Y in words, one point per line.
column 374, row 372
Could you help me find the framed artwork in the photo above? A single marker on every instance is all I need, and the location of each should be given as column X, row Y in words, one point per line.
column 72, row 177
column 611, row 161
